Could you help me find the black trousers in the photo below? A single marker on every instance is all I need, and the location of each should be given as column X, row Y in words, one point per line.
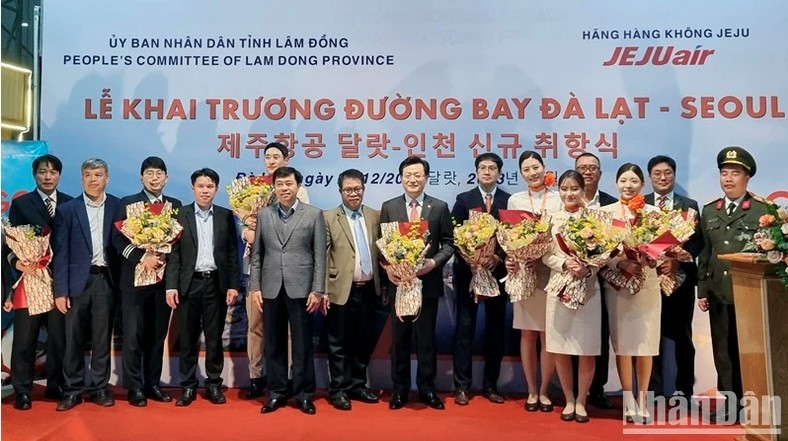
column 25, row 344
column 725, row 346
column 202, row 309
column 146, row 320
column 277, row 314
column 351, row 336
column 422, row 328
column 494, row 313
column 677, row 312
column 89, row 320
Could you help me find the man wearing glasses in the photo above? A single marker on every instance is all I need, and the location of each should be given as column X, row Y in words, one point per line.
column 353, row 287
column 145, row 313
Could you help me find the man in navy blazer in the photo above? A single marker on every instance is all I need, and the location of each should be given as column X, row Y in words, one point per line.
column 677, row 308
column 85, row 274
column 488, row 198
column 37, row 208
column 415, row 205
column 146, row 315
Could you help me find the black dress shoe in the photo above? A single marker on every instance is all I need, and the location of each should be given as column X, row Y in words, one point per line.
column 273, row 404
column 68, row 402
column 188, row 395
column 493, row 396
column 255, row 389
column 155, row 393
column 364, row 395
column 53, row 393
column 432, row 400
column 308, row 407
column 568, row 416
column 137, row 398
column 398, row 401
column 582, row 418
column 531, row 407
column 341, row 402
column 22, row 401
column 462, row 397
column 600, row 401
column 103, row 399
column 545, row 407
column 214, row 395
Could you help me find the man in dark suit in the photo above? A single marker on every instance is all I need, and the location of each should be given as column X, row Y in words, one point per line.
column 588, row 165
column 202, row 277
column 727, row 225
column 677, row 308
column 489, row 198
column 85, row 279
column 37, row 208
column 288, row 270
column 353, row 288
column 414, row 205
column 146, row 315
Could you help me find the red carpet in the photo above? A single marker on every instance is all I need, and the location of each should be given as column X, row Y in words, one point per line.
column 240, row 420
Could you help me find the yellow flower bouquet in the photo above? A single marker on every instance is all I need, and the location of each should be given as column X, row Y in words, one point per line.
column 403, row 245
column 590, row 237
column 524, row 237
column 153, row 228
column 475, row 241
column 30, row 244
column 249, row 194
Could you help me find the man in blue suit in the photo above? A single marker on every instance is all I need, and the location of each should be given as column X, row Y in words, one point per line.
column 85, row 274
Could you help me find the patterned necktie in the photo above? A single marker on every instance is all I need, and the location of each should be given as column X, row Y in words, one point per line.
column 361, row 243
column 50, row 207
column 414, row 210
column 488, row 201
column 731, row 208
column 663, row 201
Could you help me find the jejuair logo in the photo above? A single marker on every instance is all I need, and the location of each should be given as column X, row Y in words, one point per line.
column 658, row 56
column 680, row 415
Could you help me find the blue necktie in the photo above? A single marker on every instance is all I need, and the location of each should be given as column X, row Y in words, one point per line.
column 361, row 244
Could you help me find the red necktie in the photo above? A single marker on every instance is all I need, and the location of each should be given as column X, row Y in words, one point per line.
column 414, row 210
column 488, row 201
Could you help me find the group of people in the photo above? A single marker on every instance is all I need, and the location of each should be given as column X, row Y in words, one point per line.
column 301, row 260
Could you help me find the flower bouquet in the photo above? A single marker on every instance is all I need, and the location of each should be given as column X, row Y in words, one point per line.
column 590, row 237
column 771, row 239
column 31, row 246
column 152, row 228
column 524, row 237
column 475, row 241
column 248, row 195
column 403, row 246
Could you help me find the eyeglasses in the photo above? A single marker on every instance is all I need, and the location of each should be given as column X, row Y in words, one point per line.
column 658, row 175
column 589, row 168
column 154, row 174
column 354, row 190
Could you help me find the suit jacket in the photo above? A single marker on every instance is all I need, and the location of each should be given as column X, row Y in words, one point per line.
column 342, row 251
column 695, row 242
column 441, row 240
column 131, row 255
column 606, row 199
column 29, row 209
column 72, row 249
column 724, row 234
column 293, row 255
column 182, row 260
column 465, row 202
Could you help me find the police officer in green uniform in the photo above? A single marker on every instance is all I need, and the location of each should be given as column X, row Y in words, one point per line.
column 727, row 224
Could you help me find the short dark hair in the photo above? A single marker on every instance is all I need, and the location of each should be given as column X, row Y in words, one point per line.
column 208, row 173
column 572, row 174
column 528, row 154
column 153, row 162
column 350, row 173
column 52, row 160
column 588, row 155
column 279, row 146
column 659, row 159
column 283, row 172
column 634, row 168
column 413, row 160
column 487, row 156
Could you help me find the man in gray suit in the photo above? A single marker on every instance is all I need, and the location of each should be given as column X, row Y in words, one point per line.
column 288, row 273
